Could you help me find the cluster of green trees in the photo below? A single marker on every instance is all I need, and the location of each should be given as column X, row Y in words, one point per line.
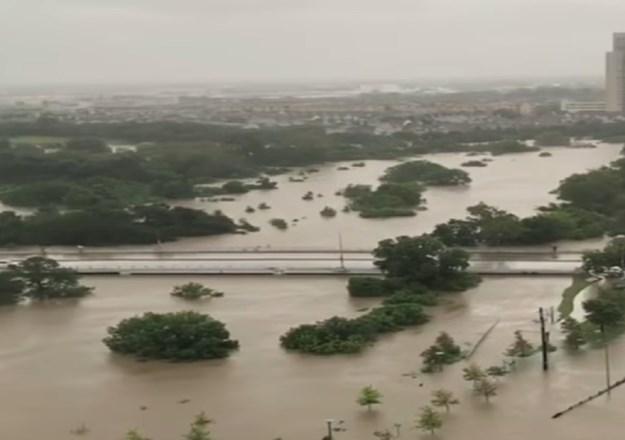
column 426, row 173
column 490, row 226
column 194, row 291
column 508, row 146
column 414, row 268
column 387, row 200
column 39, row 279
column 238, row 187
column 443, row 352
column 342, row 335
column 98, row 227
column 426, row 261
column 552, row 139
column 612, row 255
column 180, row 336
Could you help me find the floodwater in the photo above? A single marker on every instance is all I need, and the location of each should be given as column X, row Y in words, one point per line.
column 519, row 183
column 56, row 375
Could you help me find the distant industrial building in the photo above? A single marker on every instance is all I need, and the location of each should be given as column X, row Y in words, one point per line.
column 615, row 75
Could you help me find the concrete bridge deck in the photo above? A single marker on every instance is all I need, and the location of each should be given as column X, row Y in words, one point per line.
column 289, row 262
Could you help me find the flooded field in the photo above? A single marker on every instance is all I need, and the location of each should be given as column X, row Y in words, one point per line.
column 519, row 183
column 57, row 375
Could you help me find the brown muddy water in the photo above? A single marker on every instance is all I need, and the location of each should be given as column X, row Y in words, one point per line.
column 56, row 375
column 519, row 183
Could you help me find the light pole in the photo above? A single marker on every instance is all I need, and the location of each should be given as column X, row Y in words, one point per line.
column 329, row 424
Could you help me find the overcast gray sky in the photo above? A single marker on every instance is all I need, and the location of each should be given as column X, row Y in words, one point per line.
column 107, row 41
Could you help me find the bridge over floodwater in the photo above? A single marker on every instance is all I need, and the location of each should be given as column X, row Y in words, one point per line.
column 295, row 261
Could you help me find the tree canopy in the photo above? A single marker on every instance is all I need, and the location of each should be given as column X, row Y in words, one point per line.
column 41, row 278
column 424, row 260
column 180, row 336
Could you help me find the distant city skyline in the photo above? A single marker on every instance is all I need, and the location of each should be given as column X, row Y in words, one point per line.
column 233, row 41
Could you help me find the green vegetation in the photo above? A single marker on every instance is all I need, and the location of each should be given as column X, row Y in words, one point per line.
column 99, row 227
column 426, row 173
column 342, row 335
column 199, row 428
column 197, row 431
column 444, row 352
column 90, row 193
column 181, row 336
column 473, row 373
column 486, row 388
column 521, row 347
column 87, row 145
column 429, row 420
column 328, row 212
column 368, row 397
column 39, row 279
column 490, row 226
column 426, row 261
column 552, row 139
column 388, row 200
column 236, row 187
column 612, row 255
column 579, row 283
column 574, row 332
column 411, row 267
column 279, row 223
column 473, row 163
column 370, row 287
column 194, row 291
column 444, row 399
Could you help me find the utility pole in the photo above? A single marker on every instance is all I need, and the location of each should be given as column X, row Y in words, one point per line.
column 329, row 423
column 341, row 257
column 544, row 337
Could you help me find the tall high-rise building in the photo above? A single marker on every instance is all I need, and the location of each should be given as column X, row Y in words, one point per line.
column 615, row 75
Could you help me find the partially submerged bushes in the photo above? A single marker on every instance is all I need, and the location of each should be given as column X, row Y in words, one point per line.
column 343, row 335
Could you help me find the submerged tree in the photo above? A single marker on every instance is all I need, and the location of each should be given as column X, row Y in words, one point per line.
column 194, row 291
column 429, row 420
column 134, row 435
column 521, row 347
column 369, row 396
column 444, row 351
column 43, row 278
column 574, row 333
column 473, row 373
column 10, row 289
column 444, row 398
column 199, row 428
column 486, row 388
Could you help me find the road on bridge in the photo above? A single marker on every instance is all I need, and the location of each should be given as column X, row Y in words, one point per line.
column 290, row 261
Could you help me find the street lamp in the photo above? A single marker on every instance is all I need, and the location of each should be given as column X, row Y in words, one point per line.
column 329, row 424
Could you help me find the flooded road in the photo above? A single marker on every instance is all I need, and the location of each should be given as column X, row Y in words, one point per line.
column 56, row 375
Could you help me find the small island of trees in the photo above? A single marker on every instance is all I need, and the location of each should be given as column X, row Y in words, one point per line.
column 180, row 336
column 39, row 279
column 195, row 291
column 412, row 266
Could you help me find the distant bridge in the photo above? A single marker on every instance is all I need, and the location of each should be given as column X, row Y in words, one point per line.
column 263, row 261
